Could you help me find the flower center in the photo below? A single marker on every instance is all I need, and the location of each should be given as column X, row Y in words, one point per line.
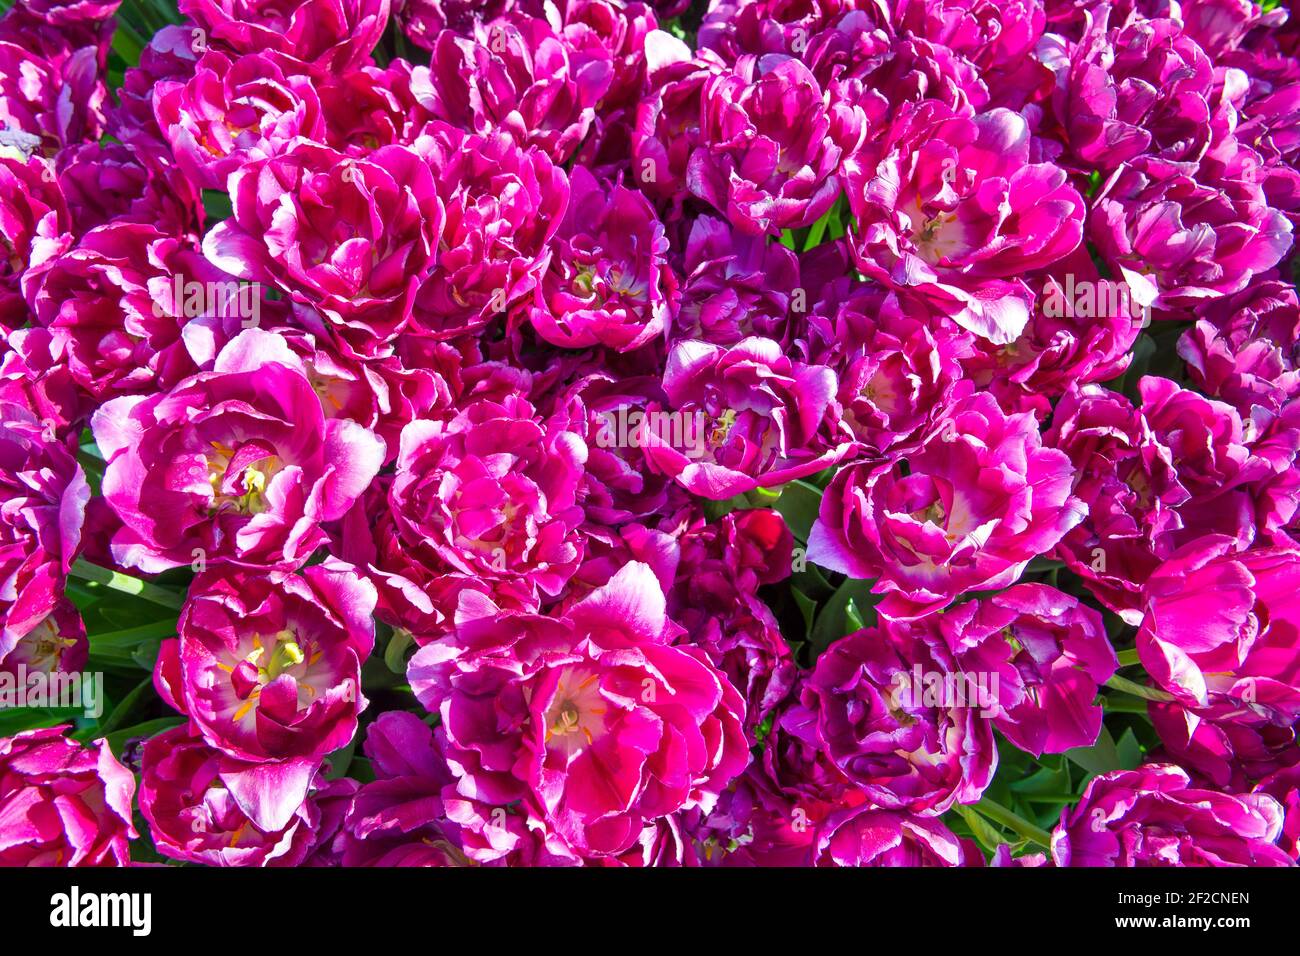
column 576, row 716
column 934, row 513
column 45, row 646
column 282, row 653
column 1010, row 637
column 1140, row 485
column 722, row 428
column 249, row 498
column 585, row 281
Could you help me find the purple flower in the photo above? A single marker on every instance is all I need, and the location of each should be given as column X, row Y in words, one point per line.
column 883, row 76
column 365, row 109
column 115, row 183
column 1081, row 330
column 618, row 485
column 734, row 27
column 57, row 645
column 966, row 511
column 896, row 372
column 1152, row 817
column 44, row 495
column 170, row 55
column 957, row 210
column 503, row 206
column 198, row 813
column 1178, row 239
column 399, row 819
column 1246, row 348
column 236, row 464
column 1284, row 786
column 1218, row 629
column 715, row 597
column 736, row 285
column 592, row 721
column 235, row 111
column 768, row 154
column 116, row 303
column 33, row 374
column 1049, row 653
column 609, row 282
column 1137, row 88
column 620, row 28
column 49, row 103
column 1161, row 476
column 898, row 717
column 999, row 37
column 335, row 35
column 34, row 228
column 62, row 804
column 865, row 836
column 423, row 20
column 55, row 30
column 492, row 494
column 740, row 418
column 669, row 119
column 270, row 669
column 519, row 76
column 352, row 238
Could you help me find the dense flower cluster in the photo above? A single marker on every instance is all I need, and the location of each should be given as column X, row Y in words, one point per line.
column 612, row 433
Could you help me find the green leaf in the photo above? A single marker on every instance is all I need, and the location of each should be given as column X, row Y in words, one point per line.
column 798, row 505
column 810, row 580
column 1125, row 704
column 127, row 707
column 807, row 609
column 341, row 759
column 131, row 649
column 127, row 42
column 853, row 618
column 1128, row 657
column 1043, row 781
column 17, row 719
column 216, row 205
column 818, row 229
column 395, row 653
column 833, row 621
column 980, row 828
column 1129, row 750
column 1013, row 821
column 1126, row 686
column 127, row 584
column 1101, row 757
column 713, row 510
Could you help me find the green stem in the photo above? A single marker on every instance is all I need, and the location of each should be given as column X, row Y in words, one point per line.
column 1124, row 704
column 1138, row 690
column 1128, row 658
column 1013, row 821
column 134, row 635
column 126, row 584
column 1051, row 797
column 127, row 42
column 817, row 230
